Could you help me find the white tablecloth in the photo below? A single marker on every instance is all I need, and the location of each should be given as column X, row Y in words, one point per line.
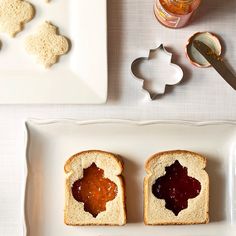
column 133, row 29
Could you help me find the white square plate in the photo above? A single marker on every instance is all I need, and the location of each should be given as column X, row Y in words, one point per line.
column 80, row 77
column 51, row 143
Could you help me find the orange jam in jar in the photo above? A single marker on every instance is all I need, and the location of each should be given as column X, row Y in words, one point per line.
column 175, row 13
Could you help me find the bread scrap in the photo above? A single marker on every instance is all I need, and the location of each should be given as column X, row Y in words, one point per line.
column 156, row 211
column 14, row 14
column 47, row 45
column 75, row 170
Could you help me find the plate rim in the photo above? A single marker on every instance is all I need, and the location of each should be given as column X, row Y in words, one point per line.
column 35, row 121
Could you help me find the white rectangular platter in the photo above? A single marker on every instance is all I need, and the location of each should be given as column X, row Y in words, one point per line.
column 80, row 77
column 51, row 143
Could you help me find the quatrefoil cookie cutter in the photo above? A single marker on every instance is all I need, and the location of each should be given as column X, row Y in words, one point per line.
column 156, row 71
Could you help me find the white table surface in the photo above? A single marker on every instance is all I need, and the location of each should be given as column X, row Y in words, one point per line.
column 133, row 29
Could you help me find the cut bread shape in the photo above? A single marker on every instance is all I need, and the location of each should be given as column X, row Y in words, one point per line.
column 47, row 44
column 14, row 14
column 74, row 211
column 155, row 209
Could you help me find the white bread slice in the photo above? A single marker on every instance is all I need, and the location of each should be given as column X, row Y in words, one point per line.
column 155, row 212
column 74, row 213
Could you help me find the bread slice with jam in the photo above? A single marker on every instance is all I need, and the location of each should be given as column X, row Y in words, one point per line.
column 176, row 189
column 94, row 189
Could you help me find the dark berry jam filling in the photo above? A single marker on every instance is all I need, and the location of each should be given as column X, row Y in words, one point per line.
column 176, row 187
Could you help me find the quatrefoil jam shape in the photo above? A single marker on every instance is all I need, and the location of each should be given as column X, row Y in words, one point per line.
column 94, row 190
column 176, row 187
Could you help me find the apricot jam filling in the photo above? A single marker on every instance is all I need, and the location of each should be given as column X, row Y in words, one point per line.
column 176, row 187
column 94, row 190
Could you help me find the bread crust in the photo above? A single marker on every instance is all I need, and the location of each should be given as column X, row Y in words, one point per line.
column 116, row 157
column 173, row 152
column 118, row 160
column 157, row 156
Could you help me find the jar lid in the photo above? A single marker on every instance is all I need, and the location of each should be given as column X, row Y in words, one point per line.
column 194, row 56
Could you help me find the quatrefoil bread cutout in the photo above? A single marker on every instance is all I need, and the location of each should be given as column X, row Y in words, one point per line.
column 156, row 71
column 176, row 187
column 14, row 14
column 94, row 190
column 47, row 45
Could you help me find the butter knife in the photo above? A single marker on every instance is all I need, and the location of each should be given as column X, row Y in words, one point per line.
column 217, row 62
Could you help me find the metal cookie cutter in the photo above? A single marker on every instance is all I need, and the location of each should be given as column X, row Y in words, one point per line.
column 156, row 71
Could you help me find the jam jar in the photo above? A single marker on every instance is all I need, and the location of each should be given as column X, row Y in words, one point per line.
column 175, row 13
